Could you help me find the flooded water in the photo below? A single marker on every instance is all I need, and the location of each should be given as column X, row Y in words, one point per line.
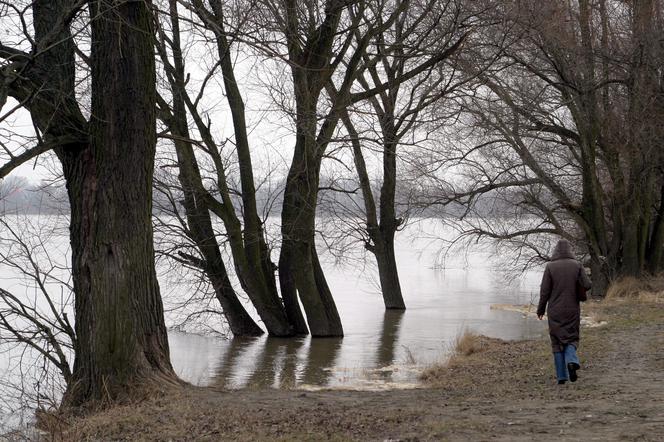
column 380, row 349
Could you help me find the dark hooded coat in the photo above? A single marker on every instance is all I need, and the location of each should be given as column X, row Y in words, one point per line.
column 559, row 297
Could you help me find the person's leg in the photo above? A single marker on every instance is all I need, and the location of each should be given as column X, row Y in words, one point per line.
column 561, row 369
column 572, row 361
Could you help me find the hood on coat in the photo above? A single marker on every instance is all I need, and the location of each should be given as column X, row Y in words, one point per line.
column 562, row 250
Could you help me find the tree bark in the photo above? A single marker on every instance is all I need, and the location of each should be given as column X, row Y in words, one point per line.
column 300, row 274
column 299, row 268
column 388, row 274
column 656, row 244
column 387, row 264
column 121, row 336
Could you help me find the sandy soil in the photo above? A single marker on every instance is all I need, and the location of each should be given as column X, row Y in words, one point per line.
column 506, row 392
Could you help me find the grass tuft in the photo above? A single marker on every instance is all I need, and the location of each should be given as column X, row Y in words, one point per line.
column 466, row 344
column 645, row 289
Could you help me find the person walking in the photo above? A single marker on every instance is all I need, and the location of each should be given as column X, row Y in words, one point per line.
column 563, row 287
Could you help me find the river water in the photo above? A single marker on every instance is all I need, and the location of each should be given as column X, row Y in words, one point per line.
column 380, row 349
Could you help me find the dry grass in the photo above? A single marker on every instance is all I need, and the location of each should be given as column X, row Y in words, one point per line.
column 629, row 300
column 596, row 312
column 466, row 344
column 645, row 289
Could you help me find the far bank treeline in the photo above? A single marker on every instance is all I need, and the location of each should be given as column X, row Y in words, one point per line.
column 552, row 110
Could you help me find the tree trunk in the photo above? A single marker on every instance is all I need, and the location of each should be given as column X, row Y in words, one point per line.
column 195, row 195
column 299, row 268
column 381, row 235
column 602, row 272
column 259, row 267
column 202, row 233
column 289, row 291
column 388, row 274
column 121, row 336
column 630, row 242
column 252, row 258
column 642, row 127
column 656, row 245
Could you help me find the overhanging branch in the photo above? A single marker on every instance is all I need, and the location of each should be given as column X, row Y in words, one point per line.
column 39, row 149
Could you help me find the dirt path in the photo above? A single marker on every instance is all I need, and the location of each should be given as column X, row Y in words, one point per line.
column 505, row 393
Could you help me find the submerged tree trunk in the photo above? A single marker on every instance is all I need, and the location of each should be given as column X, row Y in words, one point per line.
column 253, row 261
column 381, row 234
column 315, row 51
column 310, row 57
column 299, row 269
column 200, row 229
column 389, row 274
column 389, row 278
column 121, row 336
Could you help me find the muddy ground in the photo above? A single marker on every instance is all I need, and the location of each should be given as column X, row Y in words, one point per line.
column 507, row 392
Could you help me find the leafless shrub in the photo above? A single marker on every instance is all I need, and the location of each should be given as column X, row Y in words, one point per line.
column 36, row 335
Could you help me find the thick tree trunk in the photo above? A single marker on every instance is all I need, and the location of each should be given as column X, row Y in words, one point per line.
column 300, row 271
column 300, row 260
column 121, row 337
column 289, row 291
column 330, row 307
column 299, row 267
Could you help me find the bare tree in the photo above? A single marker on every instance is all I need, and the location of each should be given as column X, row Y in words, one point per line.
column 37, row 338
column 432, row 27
column 323, row 45
column 107, row 162
column 246, row 238
column 568, row 128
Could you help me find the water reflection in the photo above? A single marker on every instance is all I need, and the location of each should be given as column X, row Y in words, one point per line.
column 379, row 348
column 322, row 354
column 288, row 363
column 232, row 361
column 276, row 362
column 386, row 348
